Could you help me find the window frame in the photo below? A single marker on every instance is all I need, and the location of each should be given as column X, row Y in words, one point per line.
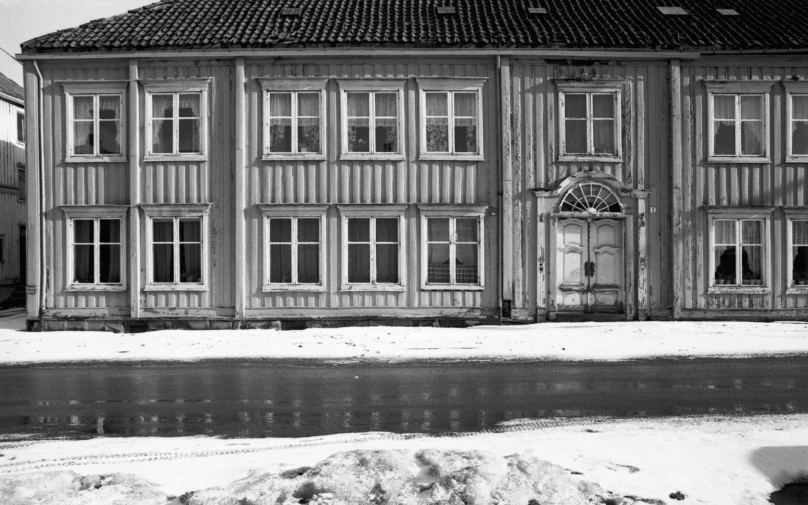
column 294, row 86
column 22, row 181
column 740, row 214
column 294, row 212
column 73, row 89
column 176, row 212
column 371, row 86
column 176, row 87
column 739, row 88
column 373, row 211
column 453, row 212
column 95, row 213
column 792, row 89
column 590, row 88
column 20, row 128
column 450, row 86
column 791, row 215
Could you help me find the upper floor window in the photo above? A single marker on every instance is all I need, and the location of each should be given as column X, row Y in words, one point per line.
column 177, row 238
column 95, row 121
column 372, row 120
column 294, row 118
column 294, row 236
column 451, row 118
column 176, row 119
column 590, row 119
column 96, row 247
column 20, row 128
column 452, row 249
column 739, row 248
column 738, row 121
column 797, row 121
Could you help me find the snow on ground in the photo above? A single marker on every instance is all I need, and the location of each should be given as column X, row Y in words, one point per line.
column 710, row 460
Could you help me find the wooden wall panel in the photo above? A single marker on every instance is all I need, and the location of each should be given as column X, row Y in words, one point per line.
column 12, row 211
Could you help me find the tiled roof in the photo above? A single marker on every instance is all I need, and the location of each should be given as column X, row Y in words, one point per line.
column 628, row 24
column 10, row 88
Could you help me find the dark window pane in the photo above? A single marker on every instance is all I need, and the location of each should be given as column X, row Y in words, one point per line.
column 190, row 263
column 466, row 265
column 437, row 135
column 189, row 105
column 437, row 230
column 163, row 136
column 109, row 133
column 162, row 106
column 190, row 230
column 358, row 135
column 358, row 230
column 465, row 135
column 110, row 230
column 800, row 261
column 23, row 195
column 20, row 128
column 724, row 142
column 387, row 230
column 358, row 263
column 387, row 263
column 163, row 231
column 308, row 135
column 725, row 265
column 109, row 264
column 603, row 106
column 280, row 263
column 280, row 136
column 83, row 137
column 308, row 230
column 110, row 106
column 280, row 230
column 603, row 132
column 308, row 105
column 752, row 265
column 83, row 231
column 84, row 264
column 466, row 230
column 308, row 260
column 437, row 264
column 575, row 106
column 799, row 137
column 575, row 136
column 386, row 136
column 752, row 138
column 189, row 136
column 163, row 267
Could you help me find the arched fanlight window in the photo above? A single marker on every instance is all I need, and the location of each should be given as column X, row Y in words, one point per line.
column 591, row 197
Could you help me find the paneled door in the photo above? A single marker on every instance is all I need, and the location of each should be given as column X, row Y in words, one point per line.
column 589, row 267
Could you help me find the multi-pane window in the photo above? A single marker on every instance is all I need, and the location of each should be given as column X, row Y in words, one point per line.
column 177, row 250
column 738, row 252
column 294, row 250
column 373, row 250
column 453, row 250
column 97, row 250
column 738, row 125
column 799, row 253
column 294, row 122
column 22, row 188
column 799, row 125
column 95, row 125
column 176, row 123
column 590, row 123
column 372, row 122
column 451, row 122
column 20, row 127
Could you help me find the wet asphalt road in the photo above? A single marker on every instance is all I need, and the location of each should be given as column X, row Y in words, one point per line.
column 267, row 399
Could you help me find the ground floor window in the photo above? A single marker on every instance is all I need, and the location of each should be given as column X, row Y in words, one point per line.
column 293, row 245
column 797, row 247
column 452, row 246
column 373, row 237
column 739, row 248
column 96, row 247
column 177, row 246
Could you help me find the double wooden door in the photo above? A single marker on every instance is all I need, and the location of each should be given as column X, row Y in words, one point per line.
column 589, row 266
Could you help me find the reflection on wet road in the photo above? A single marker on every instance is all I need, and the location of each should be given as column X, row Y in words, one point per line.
column 268, row 400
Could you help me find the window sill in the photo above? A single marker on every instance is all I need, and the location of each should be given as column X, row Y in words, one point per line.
column 395, row 288
column 371, row 157
column 760, row 160
column 174, row 287
column 796, row 159
column 280, row 288
column 451, row 287
column 739, row 290
column 96, row 159
column 290, row 156
column 589, row 157
column 175, row 157
column 74, row 288
column 797, row 290
column 450, row 157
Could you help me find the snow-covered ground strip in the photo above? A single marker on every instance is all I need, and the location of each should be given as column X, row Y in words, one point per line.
column 710, row 460
column 556, row 341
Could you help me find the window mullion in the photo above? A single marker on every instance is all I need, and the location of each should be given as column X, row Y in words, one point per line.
column 590, row 126
column 294, row 246
column 450, row 120
column 739, row 253
column 176, row 250
column 295, row 147
column 97, row 249
column 372, row 123
column 96, row 125
column 372, row 246
column 738, row 126
column 452, row 251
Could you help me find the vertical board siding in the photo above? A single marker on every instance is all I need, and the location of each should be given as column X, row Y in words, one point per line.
column 335, row 182
column 645, row 162
column 12, row 211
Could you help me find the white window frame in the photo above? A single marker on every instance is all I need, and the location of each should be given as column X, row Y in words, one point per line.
column 177, row 87
column 294, row 86
column 793, row 214
column 452, row 212
column 177, row 212
column 738, row 88
column 590, row 88
column 763, row 214
column 450, row 86
column 94, row 88
column 371, row 211
column 293, row 212
column 21, row 131
column 95, row 213
column 371, row 86
column 792, row 89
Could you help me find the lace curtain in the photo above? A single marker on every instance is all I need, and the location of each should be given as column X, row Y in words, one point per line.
column 83, row 125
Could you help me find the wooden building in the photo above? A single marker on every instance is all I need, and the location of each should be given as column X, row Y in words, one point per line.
column 418, row 161
column 12, row 188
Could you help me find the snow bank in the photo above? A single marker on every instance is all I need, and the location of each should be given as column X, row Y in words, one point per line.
column 553, row 341
column 69, row 488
